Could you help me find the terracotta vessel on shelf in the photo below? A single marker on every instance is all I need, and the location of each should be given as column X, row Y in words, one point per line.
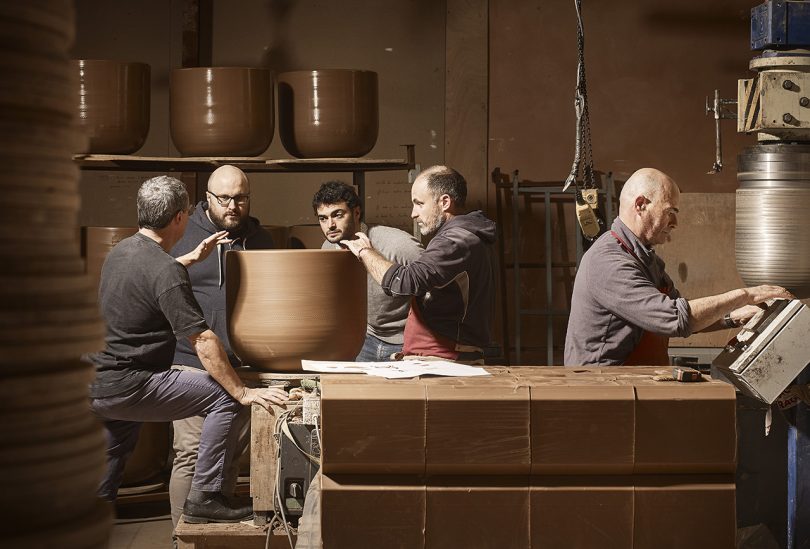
column 221, row 111
column 286, row 305
column 113, row 104
column 328, row 113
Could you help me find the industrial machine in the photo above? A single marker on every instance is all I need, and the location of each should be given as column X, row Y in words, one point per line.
column 772, row 236
column 297, row 435
column 773, row 247
column 769, row 352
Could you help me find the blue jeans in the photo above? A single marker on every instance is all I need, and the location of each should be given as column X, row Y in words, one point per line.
column 167, row 396
column 377, row 350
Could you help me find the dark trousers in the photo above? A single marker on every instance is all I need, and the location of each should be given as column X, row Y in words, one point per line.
column 167, row 396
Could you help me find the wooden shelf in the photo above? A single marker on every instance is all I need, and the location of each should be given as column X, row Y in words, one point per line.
column 246, row 164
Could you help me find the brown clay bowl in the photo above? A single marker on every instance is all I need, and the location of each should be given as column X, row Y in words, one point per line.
column 113, row 104
column 287, row 305
column 221, row 111
column 328, row 113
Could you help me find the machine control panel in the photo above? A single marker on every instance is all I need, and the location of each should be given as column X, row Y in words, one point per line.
column 769, row 352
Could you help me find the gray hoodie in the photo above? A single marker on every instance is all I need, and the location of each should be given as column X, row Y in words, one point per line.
column 452, row 281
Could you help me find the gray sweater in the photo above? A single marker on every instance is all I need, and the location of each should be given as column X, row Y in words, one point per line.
column 387, row 314
column 617, row 298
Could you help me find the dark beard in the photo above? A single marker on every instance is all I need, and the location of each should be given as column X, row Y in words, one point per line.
column 223, row 224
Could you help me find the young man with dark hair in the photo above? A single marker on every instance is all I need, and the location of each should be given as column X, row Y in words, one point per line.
column 339, row 211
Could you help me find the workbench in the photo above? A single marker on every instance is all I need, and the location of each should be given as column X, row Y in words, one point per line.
column 264, row 446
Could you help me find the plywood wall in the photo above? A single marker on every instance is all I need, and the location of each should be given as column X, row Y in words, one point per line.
column 650, row 65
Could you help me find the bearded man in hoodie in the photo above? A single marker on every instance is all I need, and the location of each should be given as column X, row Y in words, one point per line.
column 226, row 208
column 451, row 284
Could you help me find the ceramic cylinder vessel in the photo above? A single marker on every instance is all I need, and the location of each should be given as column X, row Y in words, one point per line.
column 328, row 113
column 221, row 111
column 113, row 104
column 287, row 305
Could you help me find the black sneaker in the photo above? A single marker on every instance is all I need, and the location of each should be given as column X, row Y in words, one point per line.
column 215, row 508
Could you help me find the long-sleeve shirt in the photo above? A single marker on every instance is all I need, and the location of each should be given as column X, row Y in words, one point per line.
column 617, row 297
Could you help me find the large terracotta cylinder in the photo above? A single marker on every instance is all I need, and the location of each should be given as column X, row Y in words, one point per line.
column 328, row 113
column 287, row 305
column 113, row 104
column 221, row 111
column 773, row 228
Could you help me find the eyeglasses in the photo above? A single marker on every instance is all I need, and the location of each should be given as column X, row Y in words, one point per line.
column 224, row 200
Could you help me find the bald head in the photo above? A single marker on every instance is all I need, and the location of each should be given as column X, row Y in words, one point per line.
column 229, row 199
column 227, row 176
column 648, row 205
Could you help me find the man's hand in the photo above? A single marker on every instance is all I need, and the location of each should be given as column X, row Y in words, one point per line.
column 758, row 294
column 744, row 314
column 204, row 249
column 264, row 397
column 357, row 245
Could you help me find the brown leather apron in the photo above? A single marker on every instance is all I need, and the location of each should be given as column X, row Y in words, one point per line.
column 651, row 350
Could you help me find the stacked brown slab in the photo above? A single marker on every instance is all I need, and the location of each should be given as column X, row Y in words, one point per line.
column 529, row 457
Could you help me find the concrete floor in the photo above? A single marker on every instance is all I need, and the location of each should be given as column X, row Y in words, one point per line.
column 142, row 526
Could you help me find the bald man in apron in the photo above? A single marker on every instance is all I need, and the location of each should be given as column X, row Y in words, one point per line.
column 625, row 307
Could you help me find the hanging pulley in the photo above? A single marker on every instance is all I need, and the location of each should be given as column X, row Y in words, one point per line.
column 587, row 193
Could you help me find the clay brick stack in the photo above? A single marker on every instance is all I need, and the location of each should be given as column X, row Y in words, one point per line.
column 530, row 457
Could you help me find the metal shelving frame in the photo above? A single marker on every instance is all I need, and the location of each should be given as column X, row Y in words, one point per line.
column 547, row 189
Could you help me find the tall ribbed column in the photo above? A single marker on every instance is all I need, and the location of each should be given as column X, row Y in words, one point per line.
column 52, row 450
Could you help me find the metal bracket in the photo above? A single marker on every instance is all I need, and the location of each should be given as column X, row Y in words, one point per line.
column 719, row 108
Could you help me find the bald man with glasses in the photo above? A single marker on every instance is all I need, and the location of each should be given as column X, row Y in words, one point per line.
column 226, row 208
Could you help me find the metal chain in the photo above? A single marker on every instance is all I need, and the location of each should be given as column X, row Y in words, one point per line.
column 583, row 152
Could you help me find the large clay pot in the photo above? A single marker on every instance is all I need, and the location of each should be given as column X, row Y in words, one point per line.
column 97, row 243
column 328, row 113
column 221, row 111
column 113, row 104
column 288, row 305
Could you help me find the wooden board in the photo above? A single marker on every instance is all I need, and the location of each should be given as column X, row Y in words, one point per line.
column 227, row 536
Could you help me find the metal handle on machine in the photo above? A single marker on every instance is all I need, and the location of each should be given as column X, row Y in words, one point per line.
column 716, row 108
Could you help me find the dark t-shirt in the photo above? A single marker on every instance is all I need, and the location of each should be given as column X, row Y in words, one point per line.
column 146, row 300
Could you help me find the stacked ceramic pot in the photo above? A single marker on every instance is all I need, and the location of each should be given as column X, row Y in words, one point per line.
column 221, row 111
column 52, row 456
column 114, row 104
column 330, row 113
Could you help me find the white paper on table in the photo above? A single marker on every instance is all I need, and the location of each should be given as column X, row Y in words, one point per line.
column 333, row 366
column 398, row 369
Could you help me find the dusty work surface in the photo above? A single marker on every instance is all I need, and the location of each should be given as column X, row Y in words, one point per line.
column 527, row 448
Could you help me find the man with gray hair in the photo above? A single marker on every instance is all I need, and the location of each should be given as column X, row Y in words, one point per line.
column 147, row 303
column 625, row 307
